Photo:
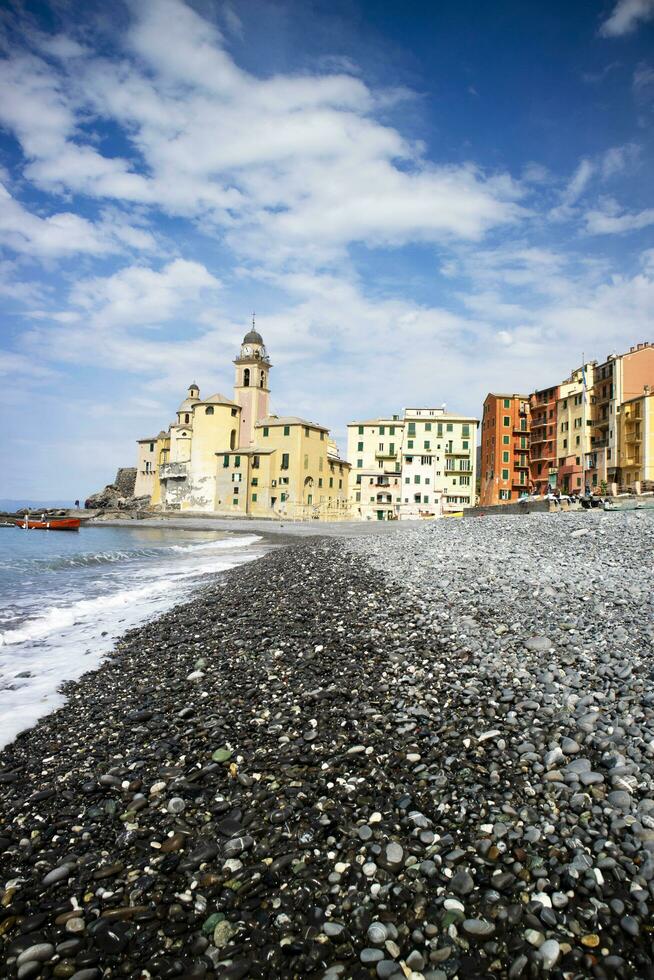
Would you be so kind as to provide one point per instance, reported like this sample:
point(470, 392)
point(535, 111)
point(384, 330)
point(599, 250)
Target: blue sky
point(422, 204)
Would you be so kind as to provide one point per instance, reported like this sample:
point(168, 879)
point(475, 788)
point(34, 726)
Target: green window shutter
point(287, 430)
point(237, 460)
point(360, 430)
point(265, 430)
point(225, 460)
point(254, 497)
point(359, 447)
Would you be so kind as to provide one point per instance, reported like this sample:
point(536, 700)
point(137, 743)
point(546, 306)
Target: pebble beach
point(419, 754)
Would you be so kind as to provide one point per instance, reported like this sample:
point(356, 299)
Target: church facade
point(230, 456)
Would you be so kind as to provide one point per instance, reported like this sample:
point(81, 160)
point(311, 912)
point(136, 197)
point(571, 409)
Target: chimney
point(646, 389)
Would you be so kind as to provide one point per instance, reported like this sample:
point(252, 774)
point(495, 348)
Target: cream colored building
point(233, 456)
point(636, 421)
point(414, 466)
point(374, 447)
point(439, 462)
point(574, 427)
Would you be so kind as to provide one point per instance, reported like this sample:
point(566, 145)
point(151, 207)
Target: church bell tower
point(251, 389)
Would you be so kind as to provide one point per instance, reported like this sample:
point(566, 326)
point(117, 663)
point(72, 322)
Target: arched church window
point(246, 378)
point(209, 410)
point(232, 439)
point(187, 417)
point(262, 378)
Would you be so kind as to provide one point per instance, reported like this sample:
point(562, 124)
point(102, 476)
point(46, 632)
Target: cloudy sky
point(422, 203)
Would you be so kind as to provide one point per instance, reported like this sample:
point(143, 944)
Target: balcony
point(172, 471)
point(387, 454)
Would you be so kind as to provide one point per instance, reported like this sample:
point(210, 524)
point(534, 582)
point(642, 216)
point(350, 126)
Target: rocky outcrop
point(118, 495)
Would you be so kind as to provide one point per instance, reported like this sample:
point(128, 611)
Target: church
point(230, 456)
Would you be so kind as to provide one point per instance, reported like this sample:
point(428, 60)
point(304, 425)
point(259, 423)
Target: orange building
point(504, 448)
point(542, 449)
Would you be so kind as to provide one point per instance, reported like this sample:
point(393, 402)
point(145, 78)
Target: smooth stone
point(478, 928)
point(41, 953)
point(549, 953)
point(462, 883)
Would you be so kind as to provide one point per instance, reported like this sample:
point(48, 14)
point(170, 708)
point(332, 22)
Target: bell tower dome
point(251, 385)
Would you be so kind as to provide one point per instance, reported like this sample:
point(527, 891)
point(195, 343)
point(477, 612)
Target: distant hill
point(6, 503)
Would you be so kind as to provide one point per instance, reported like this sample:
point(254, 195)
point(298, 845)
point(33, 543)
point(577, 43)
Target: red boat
point(50, 524)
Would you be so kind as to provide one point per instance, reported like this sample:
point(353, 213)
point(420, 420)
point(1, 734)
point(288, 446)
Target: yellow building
point(232, 456)
point(146, 467)
point(636, 421)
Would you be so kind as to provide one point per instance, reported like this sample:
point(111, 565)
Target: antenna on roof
point(253, 316)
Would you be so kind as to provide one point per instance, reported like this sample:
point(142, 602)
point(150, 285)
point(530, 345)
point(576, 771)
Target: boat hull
point(55, 524)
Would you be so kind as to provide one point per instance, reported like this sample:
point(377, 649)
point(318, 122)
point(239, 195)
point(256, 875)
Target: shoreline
point(316, 768)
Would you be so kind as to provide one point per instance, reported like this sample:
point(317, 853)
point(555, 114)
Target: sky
point(421, 202)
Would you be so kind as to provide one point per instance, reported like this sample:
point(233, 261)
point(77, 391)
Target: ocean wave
point(57, 619)
point(241, 542)
point(92, 559)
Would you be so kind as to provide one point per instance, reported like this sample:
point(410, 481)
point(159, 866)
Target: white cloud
point(643, 81)
point(140, 295)
point(573, 191)
point(290, 165)
point(58, 235)
point(65, 233)
point(626, 16)
point(619, 159)
point(609, 219)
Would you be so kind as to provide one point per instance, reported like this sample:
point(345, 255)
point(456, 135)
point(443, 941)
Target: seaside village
point(592, 433)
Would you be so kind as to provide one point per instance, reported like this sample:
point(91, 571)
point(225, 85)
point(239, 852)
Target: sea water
point(66, 596)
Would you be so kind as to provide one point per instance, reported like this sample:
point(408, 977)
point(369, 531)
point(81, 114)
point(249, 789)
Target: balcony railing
point(386, 454)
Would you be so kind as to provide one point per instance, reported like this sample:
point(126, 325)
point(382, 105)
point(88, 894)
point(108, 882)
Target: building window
point(310, 499)
point(255, 462)
point(381, 447)
point(382, 430)
point(427, 444)
point(265, 431)
point(319, 481)
point(232, 439)
point(287, 430)
point(226, 460)
point(505, 457)
point(331, 482)
point(359, 464)
point(306, 461)
point(409, 443)
point(505, 474)
point(391, 430)
point(284, 465)
point(505, 494)
point(235, 502)
point(507, 420)
point(507, 403)
point(246, 378)
point(357, 496)
point(283, 497)
point(416, 478)
point(234, 412)
point(505, 440)
point(360, 430)
point(359, 447)
point(340, 484)
point(208, 410)
point(449, 427)
point(306, 431)
point(255, 481)
point(465, 444)
point(237, 460)
point(151, 447)
point(254, 497)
